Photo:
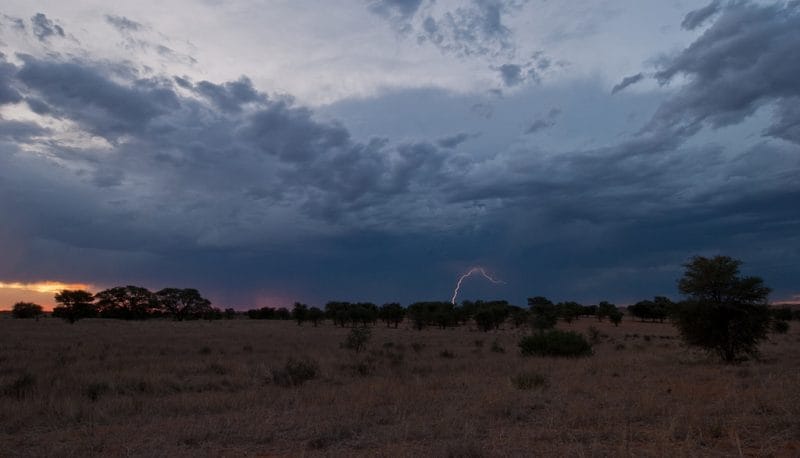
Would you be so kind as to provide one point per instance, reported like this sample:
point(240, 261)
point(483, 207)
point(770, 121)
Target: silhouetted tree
point(184, 304)
point(229, 313)
point(544, 314)
point(315, 315)
point(75, 305)
point(615, 316)
point(491, 314)
point(338, 312)
point(300, 312)
point(724, 313)
point(392, 313)
point(26, 310)
point(127, 302)
point(569, 311)
point(605, 309)
point(282, 313)
point(519, 316)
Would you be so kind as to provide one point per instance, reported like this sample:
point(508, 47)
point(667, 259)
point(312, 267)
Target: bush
point(295, 372)
point(447, 354)
point(357, 339)
point(26, 310)
point(529, 380)
point(496, 347)
point(780, 327)
point(21, 387)
point(555, 343)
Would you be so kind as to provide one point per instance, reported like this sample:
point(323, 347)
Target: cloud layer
point(118, 172)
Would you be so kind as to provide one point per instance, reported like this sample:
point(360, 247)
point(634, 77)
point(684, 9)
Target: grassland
point(163, 388)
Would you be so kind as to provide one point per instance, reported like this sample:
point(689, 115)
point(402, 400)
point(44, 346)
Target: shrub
point(21, 387)
point(496, 347)
point(26, 310)
point(447, 354)
point(529, 380)
point(780, 327)
point(555, 343)
point(357, 339)
point(295, 372)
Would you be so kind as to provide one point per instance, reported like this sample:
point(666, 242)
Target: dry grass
point(207, 388)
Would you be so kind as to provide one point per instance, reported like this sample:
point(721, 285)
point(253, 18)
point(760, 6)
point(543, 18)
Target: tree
point(605, 309)
point(184, 304)
point(723, 312)
point(490, 315)
point(315, 315)
point(127, 302)
point(75, 305)
point(615, 316)
point(544, 314)
point(26, 310)
point(300, 312)
point(392, 313)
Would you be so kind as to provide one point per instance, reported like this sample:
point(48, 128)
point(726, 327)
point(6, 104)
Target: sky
point(267, 152)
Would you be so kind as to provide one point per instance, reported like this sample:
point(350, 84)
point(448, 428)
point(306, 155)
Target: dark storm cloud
point(545, 122)
point(511, 74)
point(229, 96)
point(206, 159)
point(696, 18)
point(102, 106)
point(7, 74)
point(747, 58)
point(627, 81)
point(454, 140)
point(44, 28)
point(20, 131)
point(123, 24)
point(218, 186)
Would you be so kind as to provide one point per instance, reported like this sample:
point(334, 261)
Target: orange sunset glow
point(39, 292)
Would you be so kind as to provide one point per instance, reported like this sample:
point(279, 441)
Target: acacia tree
point(392, 313)
point(75, 305)
point(26, 310)
point(127, 302)
point(300, 312)
point(724, 313)
point(184, 303)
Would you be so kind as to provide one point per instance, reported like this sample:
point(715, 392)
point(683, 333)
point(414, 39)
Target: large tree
point(75, 304)
point(184, 303)
point(127, 302)
point(723, 313)
point(26, 310)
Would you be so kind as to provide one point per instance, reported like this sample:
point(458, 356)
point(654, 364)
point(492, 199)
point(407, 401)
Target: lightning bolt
point(467, 274)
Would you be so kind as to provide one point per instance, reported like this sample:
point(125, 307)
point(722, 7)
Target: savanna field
point(273, 388)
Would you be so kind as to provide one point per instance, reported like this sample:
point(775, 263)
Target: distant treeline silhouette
point(128, 303)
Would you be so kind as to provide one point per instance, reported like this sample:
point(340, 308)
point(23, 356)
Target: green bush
point(555, 343)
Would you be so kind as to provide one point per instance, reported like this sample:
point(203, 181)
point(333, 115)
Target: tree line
point(722, 311)
point(127, 303)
